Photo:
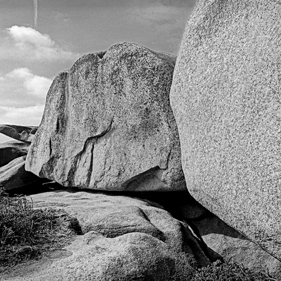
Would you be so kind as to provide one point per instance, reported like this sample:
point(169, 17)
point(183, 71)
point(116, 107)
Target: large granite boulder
point(11, 150)
point(108, 124)
point(226, 97)
point(124, 238)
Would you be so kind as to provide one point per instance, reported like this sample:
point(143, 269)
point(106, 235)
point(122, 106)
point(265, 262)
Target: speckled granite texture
point(226, 97)
point(108, 124)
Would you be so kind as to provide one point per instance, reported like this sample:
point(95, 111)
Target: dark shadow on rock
point(180, 204)
point(213, 224)
point(42, 185)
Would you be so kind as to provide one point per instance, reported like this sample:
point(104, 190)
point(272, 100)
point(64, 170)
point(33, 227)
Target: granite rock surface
point(14, 176)
point(232, 246)
point(11, 150)
point(108, 124)
point(124, 238)
point(226, 97)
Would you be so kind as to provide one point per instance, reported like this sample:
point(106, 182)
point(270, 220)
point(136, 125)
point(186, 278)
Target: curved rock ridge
point(226, 97)
point(108, 124)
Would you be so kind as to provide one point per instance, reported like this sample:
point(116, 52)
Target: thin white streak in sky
point(35, 4)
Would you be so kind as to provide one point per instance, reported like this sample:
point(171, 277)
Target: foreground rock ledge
point(108, 124)
point(226, 99)
point(124, 239)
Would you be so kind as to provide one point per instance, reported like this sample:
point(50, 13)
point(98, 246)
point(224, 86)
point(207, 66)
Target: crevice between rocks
point(201, 252)
point(101, 54)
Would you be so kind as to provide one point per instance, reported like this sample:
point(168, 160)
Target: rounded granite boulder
point(108, 124)
point(226, 97)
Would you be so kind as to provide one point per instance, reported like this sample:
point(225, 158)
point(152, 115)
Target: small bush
point(229, 272)
point(25, 232)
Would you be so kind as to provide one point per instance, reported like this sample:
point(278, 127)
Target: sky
point(41, 38)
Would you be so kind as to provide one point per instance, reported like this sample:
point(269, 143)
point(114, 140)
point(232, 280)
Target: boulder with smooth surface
point(108, 124)
point(226, 100)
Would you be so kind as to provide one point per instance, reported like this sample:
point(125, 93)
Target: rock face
point(11, 150)
point(14, 176)
point(108, 124)
point(21, 133)
point(123, 239)
point(226, 100)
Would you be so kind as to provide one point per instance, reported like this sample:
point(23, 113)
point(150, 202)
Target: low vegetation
point(230, 271)
point(26, 232)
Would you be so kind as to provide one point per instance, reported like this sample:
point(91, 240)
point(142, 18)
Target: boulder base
point(11, 150)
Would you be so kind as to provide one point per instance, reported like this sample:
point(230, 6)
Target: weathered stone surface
point(14, 176)
point(233, 246)
point(21, 133)
point(226, 100)
point(124, 239)
point(108, 124)
point(11, 150)
point(133, 256)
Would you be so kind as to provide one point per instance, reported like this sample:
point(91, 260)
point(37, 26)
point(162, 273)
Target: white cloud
point(22, 97)
point(27, 44)
point(25, 116)
point(32, 84)
point(21, 116)
point(20, 88)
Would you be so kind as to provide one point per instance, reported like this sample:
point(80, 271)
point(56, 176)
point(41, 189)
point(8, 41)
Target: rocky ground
point(156, 196)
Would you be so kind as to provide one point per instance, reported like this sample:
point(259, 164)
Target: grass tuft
point(230, 271)
point(26, 233)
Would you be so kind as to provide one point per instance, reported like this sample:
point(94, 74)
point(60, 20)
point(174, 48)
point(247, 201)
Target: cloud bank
point(21, 116)
point(33, 84)
point(22, 92)
point(27, 44)
point(21, 87)
point(22, 96)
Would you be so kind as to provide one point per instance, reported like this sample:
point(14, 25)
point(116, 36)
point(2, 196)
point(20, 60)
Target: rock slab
point(11, 150)
point(226, 97)
point(108, 124)
point(14, 176)
point(123, 238)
